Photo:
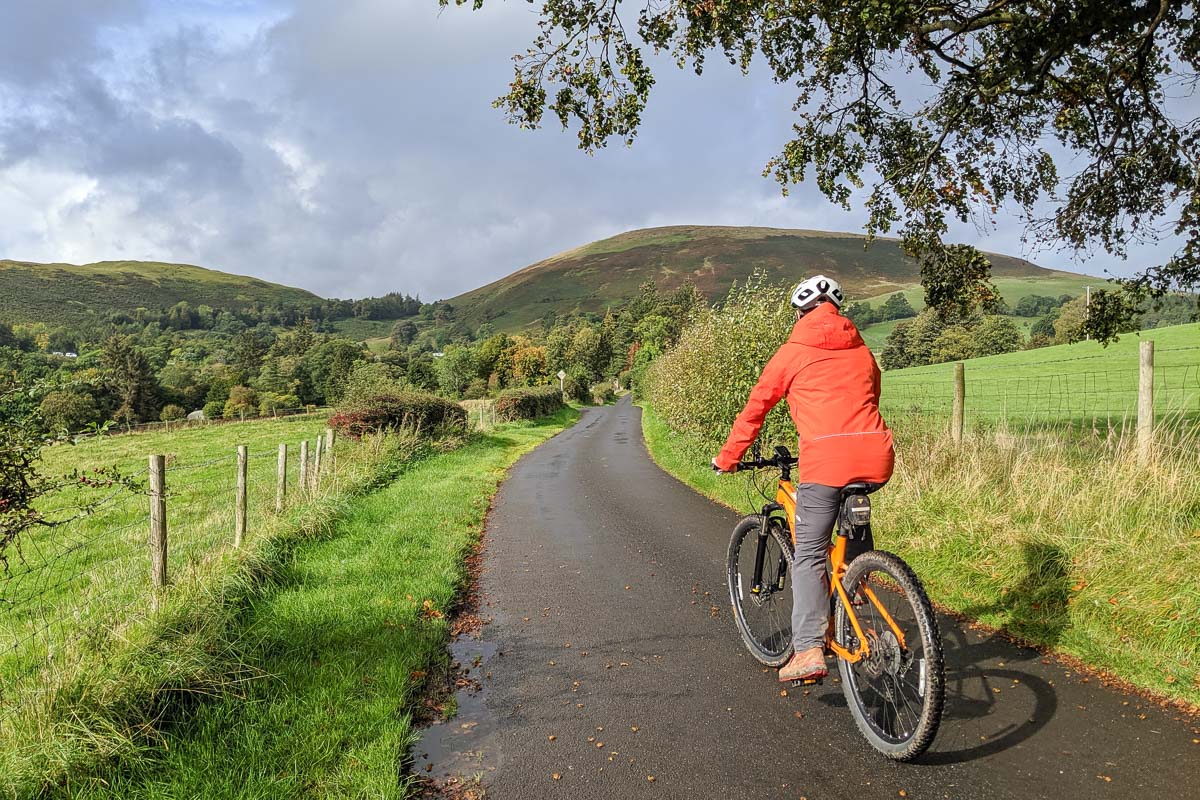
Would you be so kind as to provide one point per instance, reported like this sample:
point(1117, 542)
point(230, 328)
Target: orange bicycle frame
point(785, 496)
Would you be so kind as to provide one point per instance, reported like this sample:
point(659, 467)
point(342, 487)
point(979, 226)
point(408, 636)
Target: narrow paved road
point(604, 577)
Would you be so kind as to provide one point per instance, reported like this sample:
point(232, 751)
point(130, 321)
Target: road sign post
point(561, 377)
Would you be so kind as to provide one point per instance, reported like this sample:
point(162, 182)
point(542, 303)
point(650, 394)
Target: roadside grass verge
point(340, 651)
point(90, 670)
point(1067, 544)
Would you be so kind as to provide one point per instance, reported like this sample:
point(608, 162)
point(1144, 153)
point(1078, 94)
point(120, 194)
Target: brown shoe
point(806, 665)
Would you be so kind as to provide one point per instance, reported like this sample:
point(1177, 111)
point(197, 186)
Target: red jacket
point(831, 383)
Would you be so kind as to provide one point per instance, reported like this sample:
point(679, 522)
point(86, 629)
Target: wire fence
point(1024, 397)
point(167, 426)
point(71, 591)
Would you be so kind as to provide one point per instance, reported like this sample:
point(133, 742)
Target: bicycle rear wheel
point(763, 617)
point(897, 692)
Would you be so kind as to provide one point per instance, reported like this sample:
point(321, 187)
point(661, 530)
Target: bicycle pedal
point(808, 682)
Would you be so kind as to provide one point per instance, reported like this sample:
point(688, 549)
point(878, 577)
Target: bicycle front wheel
point(760, 588)
point(896, 693)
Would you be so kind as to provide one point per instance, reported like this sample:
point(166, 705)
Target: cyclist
point(831, 382)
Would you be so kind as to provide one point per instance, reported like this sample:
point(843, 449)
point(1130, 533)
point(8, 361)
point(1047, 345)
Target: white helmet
point(817, 289)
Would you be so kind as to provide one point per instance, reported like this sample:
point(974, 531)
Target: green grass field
point(340, 652)
point(362, 330)
point(1069, 544)
point(84, 654)
point(1011, 289)
point(1079, 383)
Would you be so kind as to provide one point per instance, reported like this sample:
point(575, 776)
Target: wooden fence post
point(315, 477)
point(960, 400)
point(303, 483)
point(281, 478)
point(239, 512)
point(158, 524)
point(1145, 421)
point(330, 441)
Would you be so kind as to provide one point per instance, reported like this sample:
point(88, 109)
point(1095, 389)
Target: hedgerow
point(515, 404)
point(391, 410)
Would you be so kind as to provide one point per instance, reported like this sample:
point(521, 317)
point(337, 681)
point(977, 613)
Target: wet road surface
point(612, 662)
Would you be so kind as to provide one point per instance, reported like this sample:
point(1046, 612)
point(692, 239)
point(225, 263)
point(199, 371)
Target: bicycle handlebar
point(768, 463)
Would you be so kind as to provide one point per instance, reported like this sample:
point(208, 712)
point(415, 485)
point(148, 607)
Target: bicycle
point(887, 644)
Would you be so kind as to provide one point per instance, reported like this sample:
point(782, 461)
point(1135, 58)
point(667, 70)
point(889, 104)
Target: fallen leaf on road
point(599, 744)
point(1105, 778)
point(650, 778)
point(551, 738)
point(783, 692)
point(634, 728)
point(556, 777)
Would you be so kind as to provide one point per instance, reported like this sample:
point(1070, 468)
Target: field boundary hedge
point(519, 404)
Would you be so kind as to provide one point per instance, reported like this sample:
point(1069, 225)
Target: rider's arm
point(772, 386)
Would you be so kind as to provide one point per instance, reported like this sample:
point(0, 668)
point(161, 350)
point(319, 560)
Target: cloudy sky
point(350, 147)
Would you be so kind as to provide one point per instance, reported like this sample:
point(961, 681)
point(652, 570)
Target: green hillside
point(69, 293)
point(1078, 382)
point(596, 275)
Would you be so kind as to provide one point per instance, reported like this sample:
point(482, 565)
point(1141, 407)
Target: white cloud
point(350, 147)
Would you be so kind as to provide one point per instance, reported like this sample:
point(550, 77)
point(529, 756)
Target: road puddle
point(464, 747)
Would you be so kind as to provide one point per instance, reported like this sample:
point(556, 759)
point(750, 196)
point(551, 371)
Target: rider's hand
point(720, 471)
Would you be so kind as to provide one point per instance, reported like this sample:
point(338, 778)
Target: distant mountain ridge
point(602, 273)
point(75, 293)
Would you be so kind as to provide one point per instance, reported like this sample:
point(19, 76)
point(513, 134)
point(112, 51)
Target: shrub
point(67, 410)
point(623, 378)
point(171, 412)
point(603, 393)
point(213, 409)
point(477, 389)
point(426, 412)
point(242, 402)
point(515, 404)
point(699, 387)
point(575, 385)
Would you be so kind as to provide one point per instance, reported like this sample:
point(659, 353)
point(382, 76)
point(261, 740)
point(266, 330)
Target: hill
point(602, 273)
point(72, 294)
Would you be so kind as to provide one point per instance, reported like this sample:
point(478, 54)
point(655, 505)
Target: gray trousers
point(816, 514)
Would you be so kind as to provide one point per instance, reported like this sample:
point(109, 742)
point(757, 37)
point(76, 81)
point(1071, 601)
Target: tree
point(67, 410)
point(952, 344)
point(1069, 325)
point(242, 403)
point(896, 307)
point(861, 314)
point(403, 333)
point(456, 369)
point(995, 334)
point(1004, 78)
point(171, 412)
point(129, 377)
point(329, 364)
point(529, 366)
point(895, 353)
